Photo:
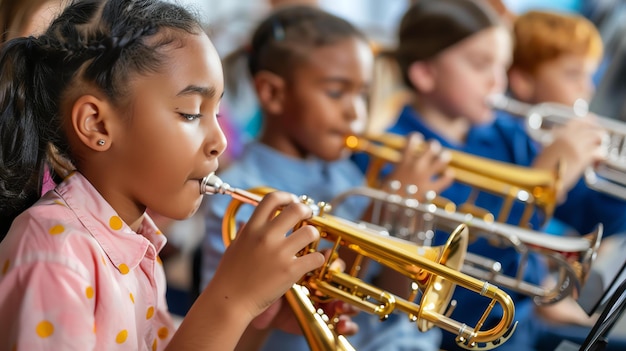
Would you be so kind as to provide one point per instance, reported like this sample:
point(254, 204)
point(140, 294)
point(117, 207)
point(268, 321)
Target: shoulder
point(509, 124)
point(49, 232)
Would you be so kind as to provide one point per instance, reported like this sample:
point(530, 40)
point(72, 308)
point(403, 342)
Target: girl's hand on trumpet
point(423, 166)
point(280, 315)
point(263, 258)
point(577, 144)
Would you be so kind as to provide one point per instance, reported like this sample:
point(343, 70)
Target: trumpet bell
point(571, 257)
point(429, 267)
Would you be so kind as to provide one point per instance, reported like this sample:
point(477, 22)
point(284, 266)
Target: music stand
point(615, 306)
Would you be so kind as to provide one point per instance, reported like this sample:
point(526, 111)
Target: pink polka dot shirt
point(74, 276)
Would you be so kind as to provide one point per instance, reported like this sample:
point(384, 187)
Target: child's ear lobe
point(422, 76)
point(270, 90)
point(521, 85)
point(91, 122)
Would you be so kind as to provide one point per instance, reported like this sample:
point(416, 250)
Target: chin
point(485, 117)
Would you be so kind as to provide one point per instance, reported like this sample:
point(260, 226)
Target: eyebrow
point(207, 92)
point(341, 80)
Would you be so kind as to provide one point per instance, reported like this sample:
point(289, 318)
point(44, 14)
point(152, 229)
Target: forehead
point(351, 57)
point(494, 41)
point(191, 59)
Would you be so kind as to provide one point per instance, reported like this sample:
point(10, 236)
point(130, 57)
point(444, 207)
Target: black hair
point(93, 42)
point(289, 33)
point(430, 26)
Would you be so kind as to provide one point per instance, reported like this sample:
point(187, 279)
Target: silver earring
point(101, 142)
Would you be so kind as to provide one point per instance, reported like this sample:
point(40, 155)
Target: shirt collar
point(410, 119)
point(124, 247)
point(291, 167)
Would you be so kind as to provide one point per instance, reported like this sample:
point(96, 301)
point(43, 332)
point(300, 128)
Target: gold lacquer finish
point(535, 188)
point(571, 257)
point(434, 269)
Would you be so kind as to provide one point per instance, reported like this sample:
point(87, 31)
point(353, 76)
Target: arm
point(44, 306)
point(255, 271)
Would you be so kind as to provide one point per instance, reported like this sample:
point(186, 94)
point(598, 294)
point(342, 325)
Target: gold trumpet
point(608, 176)
point(537, 189)
point(417, 221)
point(433, 269)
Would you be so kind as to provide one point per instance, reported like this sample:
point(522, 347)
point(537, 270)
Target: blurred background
point(230, 23)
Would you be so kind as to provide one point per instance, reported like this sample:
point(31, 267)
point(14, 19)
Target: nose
point(215, 140)
point(498, 81)
point(355, 108)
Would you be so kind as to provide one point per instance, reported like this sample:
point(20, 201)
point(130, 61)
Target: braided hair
point(93, 42)
point(289, 34)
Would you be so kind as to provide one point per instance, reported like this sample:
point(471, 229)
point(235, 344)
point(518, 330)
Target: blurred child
point(454, 55)
point(129, 92)
point(559, 68)
point(311, 72)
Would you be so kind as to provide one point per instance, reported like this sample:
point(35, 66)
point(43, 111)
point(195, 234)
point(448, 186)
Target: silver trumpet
point(408, 219)
point(608, 176)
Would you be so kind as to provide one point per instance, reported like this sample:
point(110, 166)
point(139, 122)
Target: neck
point(452, 128)
point(278, 139)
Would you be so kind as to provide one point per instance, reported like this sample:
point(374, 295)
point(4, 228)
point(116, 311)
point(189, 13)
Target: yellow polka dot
point(59, 202)
point(123, 268)
point(159, 260)
point(89, 292)
point(57, 229)
point(94, 328)
point(132, 298)
point(162, 333)
point(150, 312)
point(6, 266)
point(121, 336)
point(159, 232)
point(104, 262)
point(154, 345)
point(44, 329)
point(115, 223)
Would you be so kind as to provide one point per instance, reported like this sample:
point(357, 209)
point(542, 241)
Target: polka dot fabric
point(74, 276)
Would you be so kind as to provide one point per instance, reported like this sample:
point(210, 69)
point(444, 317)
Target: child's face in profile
point(326, 98)
point(171, 138)
point(564, 80)
point(467, 73)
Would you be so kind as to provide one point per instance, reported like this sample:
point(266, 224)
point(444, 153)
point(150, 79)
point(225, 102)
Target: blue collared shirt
point(506, 140)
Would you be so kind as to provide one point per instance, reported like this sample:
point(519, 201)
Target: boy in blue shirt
point(311, 71)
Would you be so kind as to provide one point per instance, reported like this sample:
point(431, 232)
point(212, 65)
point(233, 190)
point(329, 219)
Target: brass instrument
point(608, 176)
point(433, 269)
point(409, 219)
point(534, 188)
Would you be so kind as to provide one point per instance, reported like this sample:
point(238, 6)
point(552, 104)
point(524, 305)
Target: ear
point(422, 76)
point(91, 121)
point(521, 84)
point(270, 90)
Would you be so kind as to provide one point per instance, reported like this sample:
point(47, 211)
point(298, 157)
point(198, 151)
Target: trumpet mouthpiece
point(212, 184)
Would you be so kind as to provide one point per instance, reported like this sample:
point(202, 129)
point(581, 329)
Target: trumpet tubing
point(434, 269)
point(608, 176)
point(573, 256)
point(535, 188)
